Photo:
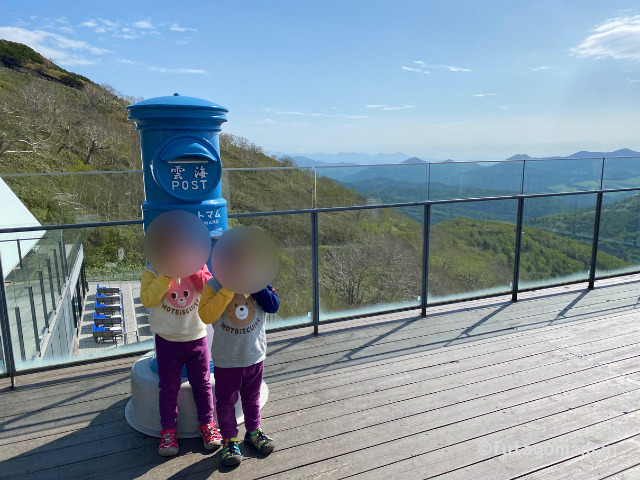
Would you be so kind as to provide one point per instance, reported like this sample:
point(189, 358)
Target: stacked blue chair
point(108, 317)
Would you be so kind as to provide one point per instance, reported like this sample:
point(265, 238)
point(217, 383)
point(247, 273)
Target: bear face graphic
point(241, 311)
point(180, 296)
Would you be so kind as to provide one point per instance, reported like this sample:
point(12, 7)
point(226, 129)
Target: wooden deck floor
point(545, 388)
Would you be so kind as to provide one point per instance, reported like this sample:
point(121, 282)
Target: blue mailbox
point(181, 157)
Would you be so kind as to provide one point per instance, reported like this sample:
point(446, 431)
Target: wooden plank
point(320, 451)
point(504, 314)
point(109, 387)
point(335, 360)
point(78, 386)
point(438, 447)
point(514, 340)
point(335, 339)
point(550, 299)
point(328, 417)
point(371, 372)
point(298, 436)
point(619, 460)
point(70, 374)
point(100, 411)
point(588, 434)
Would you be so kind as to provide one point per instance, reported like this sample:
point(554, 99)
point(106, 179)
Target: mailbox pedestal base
point(142, 411)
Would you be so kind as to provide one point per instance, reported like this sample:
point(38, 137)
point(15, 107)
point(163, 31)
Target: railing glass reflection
point(370, 244)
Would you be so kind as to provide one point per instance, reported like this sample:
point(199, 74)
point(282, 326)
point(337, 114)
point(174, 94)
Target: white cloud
point(146, 24)
point(452, 69)
point(134, 30)
point(129, 62)
point(266, 121)
point(109, 23)
point(388, 108)
point(320, 114)
point(423, 66)
point(542, 67)
point(178, 70)
point(486, 95)
point(55, 47)
point(506, 108)
point(632, 80)
point(617, 38)
point(177, 28)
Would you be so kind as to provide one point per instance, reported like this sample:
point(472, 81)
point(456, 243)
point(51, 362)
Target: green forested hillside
point(619, 227)
point(50, 124)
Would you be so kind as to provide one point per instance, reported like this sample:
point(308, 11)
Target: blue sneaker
point(231, 452)
point(260, 441)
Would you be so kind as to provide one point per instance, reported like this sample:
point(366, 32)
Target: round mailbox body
point(181, 157)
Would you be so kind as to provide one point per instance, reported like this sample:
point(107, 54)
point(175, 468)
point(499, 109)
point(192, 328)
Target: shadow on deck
point(548, 387)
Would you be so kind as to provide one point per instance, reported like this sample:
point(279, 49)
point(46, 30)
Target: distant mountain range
point(623, 152)
point(351, 159)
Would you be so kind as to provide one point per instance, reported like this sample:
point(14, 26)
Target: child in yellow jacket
point(238, 350)
point(181, 340)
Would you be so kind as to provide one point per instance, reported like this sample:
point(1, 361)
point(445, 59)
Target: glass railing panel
point(370, 260)
point(347, 186)
point(450, 180)
point(3, 361)
point(293, 283)
point(557, 240)
point(268, 189)
point(45, 323)
point(562, 175)
point(619, 236)
point(622, 172)
point(471, 249)
point(79, 198)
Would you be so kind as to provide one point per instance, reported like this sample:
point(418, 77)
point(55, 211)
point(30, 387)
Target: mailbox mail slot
point(187, 168)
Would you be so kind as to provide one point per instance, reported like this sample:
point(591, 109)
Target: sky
point(459, 79)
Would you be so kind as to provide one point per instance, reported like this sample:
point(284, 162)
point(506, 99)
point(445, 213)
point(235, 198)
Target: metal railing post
point(34, 320)
point(63, 257)
point(79, 301)
point(315, 272)
point(23, 354)
point(426, 229)
point(5, 328)
point(594, 247)
point(53, 296)
point(516, 260)
point(83, 279)
point(44, 300)
point(19, 253)
point(55, 262)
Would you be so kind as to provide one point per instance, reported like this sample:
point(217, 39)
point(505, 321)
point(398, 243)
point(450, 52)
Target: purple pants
point(230, 382)
point(171, 357)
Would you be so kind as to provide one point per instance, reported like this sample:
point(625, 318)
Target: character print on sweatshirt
point(241, 311)
point(180, 295)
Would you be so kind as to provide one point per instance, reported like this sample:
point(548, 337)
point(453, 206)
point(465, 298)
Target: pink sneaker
point(211, 437)
point(168, 443)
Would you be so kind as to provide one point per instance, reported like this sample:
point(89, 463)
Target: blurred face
point(177, 244)
point(245, 260)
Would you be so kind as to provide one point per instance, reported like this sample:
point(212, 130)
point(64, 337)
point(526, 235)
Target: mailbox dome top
point(178, 101)
point(179, 112)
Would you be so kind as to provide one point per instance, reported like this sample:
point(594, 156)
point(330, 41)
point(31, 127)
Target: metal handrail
point(314, 212)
